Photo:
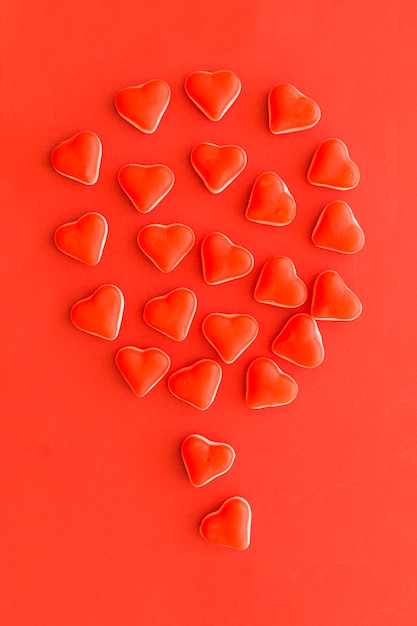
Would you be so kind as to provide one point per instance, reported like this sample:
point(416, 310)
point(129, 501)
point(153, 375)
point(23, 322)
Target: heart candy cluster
point(222, 260)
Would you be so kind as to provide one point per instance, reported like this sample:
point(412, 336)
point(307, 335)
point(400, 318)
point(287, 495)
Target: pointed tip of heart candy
point(213, 92)
point(79, 157)
point(331, 166)
point(101, 313)
point(197, 384)
point(337, 229)
point(289, 110)
point(332, 299)
point(230, 525)
point(83, 239)
point(142, 369)
point(205, 460)
point(144, 105)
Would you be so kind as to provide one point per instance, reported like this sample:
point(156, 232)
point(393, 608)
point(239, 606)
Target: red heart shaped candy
point(223, 260)
point(144, 105)
point(290, 110)
point(279, 285)
point(300, 342)
point(213, 92)
point(205, 460)
point(142, 369)
point(172, 313)
point(79, 157)
point(230, 525)
point(230, 334)
point(197, 384)
point(270, 201)
point(101, 313)
point(268, 386)
point(337, 229)
point(218, 166)
point(83, 239)
point(332, 167)
point(146, 185)
point(333, 300)
point(166, 245)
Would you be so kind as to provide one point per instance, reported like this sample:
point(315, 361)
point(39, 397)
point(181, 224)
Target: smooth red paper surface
point(98, 522)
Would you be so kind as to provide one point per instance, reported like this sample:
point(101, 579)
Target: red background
point(98, 523)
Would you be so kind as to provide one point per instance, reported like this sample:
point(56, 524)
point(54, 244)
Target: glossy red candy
point(101, 313)
point(300, 342)
point(270, 201)
point(278, 284)
point(213, 92)
point(268, 386)
point(142, 368)
point(166, 245)
point(83, 239)
point(230, 525)
point(218, 166)
point(337, 229)
point(332, 166)
point(205, 460)
point(172, 313)
point(333, 300)
point(223, 260)
point(290, 110)
point(79, 157)
point(197, 384)
point(144, 105)
point(230, 334)
point(146, 185)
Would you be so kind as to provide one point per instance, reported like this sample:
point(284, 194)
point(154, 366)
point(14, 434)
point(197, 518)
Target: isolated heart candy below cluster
point(205, 460)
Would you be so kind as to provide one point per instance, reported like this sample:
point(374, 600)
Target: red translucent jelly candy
point(197, 384)
point(300, 342)
point(337, 229)
point(83, 239)
point(230, 334)
point(79, 157)
point(290, 110)
point(205, 460)
point(144, 105)
point(213, 92)
point(333, 300)
point(279, 285)
point(332, 167)
point(101, 313)
point(172, 313)
point(166, 245)
point(218, 166)
point(230, 525)
point(268, 386)
point(223, 260)
point(146, 185)
point(270, 201)
point(142, 369)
